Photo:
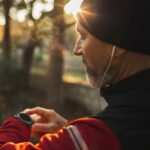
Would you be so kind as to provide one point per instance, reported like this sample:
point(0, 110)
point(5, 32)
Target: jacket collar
point(129, 90)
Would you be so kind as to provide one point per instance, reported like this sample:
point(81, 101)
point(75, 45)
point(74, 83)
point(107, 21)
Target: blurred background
point(37, 66)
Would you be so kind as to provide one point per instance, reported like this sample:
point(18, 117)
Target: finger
point(26, 110)
point(35, 118)
point(43, 127)
point(40, 120)
point(34, 110)
point(40, 111)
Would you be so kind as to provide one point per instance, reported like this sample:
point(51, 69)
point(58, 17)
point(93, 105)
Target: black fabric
point(125, 23)
point(128, 113)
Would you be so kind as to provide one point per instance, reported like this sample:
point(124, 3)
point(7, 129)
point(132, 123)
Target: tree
point(55, 71)
point(28, 50)
point(55, 86)
point(33, 41)
point(6, 39)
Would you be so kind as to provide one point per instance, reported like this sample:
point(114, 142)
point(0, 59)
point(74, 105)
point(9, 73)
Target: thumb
point(44, 127)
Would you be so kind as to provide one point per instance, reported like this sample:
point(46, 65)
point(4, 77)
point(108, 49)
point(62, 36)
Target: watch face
point(24, 118)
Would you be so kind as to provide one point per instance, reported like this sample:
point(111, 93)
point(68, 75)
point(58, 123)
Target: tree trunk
point(27, 62)
point(55, 83)
point(29, 52)
point(6, 38)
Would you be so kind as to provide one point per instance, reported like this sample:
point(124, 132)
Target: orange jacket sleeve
point(85, 133)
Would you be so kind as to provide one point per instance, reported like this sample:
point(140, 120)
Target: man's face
point(96, 56)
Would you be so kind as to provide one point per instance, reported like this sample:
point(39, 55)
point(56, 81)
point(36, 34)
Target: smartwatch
point(24, 118)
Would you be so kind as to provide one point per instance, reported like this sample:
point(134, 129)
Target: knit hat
point(124, 23)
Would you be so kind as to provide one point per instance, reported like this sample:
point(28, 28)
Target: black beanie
point(124, 23)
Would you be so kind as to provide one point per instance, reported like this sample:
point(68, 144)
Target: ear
point(119, 52)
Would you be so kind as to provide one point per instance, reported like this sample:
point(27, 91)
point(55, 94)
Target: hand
point(45, 120)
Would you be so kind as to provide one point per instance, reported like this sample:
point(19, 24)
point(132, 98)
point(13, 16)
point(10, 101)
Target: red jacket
point(81, 134)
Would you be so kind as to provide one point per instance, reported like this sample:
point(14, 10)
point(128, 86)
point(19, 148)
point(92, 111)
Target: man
point(114, 45)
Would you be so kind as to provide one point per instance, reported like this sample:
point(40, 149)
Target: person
point(115, 47)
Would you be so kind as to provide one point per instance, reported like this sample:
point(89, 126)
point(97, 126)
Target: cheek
point(95, 56)
point(91, 56)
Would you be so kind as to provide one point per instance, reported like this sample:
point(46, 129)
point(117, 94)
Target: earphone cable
point(103, 77)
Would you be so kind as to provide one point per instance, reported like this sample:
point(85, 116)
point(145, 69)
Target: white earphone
point(108, 66)
point(113, 51)
point(104, 75)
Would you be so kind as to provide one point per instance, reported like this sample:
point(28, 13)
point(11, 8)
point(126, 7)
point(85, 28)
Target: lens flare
point(73, 7)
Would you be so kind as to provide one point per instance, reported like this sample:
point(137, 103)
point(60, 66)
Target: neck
point(130, 64)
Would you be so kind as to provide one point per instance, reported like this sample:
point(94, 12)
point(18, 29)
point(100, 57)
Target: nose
point(77, 50)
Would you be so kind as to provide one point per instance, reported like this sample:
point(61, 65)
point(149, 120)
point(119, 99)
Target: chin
point(92, 77)
point(95, 77)
point(93, 80)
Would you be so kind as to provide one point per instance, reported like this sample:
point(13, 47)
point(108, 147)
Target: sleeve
point(93, 134)
point(14, 130)
point(81, 134)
